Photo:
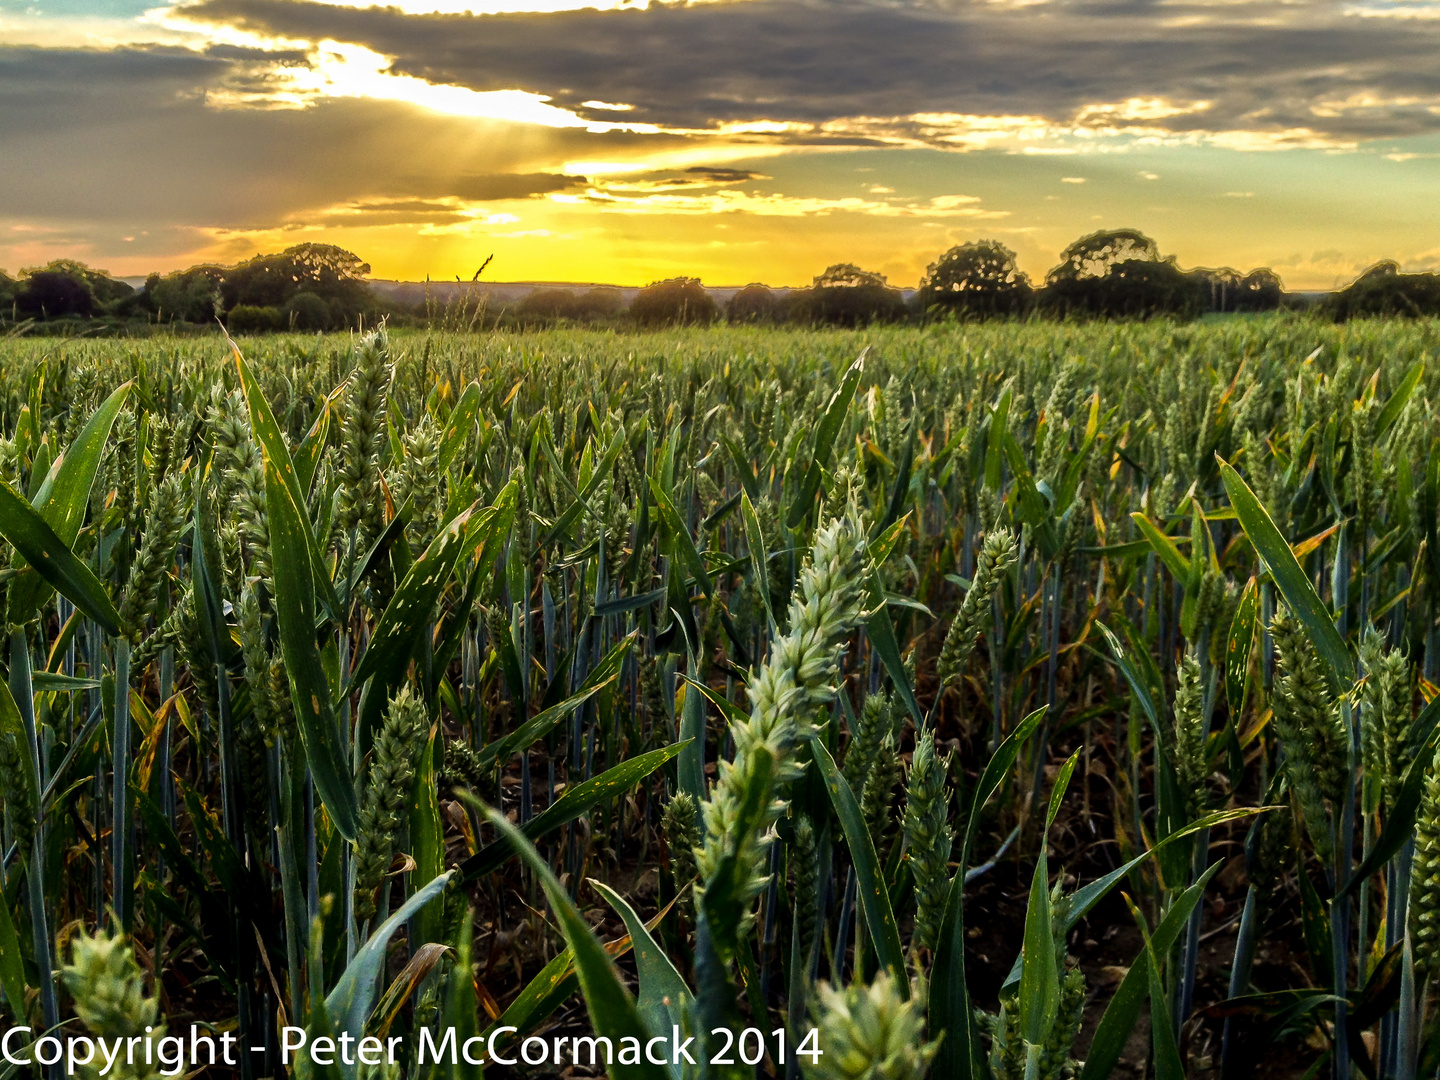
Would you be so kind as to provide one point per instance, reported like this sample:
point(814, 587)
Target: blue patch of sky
point(69, 9)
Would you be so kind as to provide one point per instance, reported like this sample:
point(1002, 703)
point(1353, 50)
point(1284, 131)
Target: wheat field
point(1019, 701)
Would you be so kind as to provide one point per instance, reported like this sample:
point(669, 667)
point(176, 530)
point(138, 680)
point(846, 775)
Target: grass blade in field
point(835, 413)
point(12, 970)
point(577, 800)
point(51, 558)
point(1120, 1015)
point(310, 691)
point(959, 1055)
point(1293, 582)
point(427, 834)
point(874, 897)
point(1399, 399)
point(1238, 645)
point(63, 497)
point(664, 998)
point(278, 461)
point(1164, 546)
point(404, 619)
point(612, 1009)
point(349, 1003)
point(604, 673)
point(459, 424)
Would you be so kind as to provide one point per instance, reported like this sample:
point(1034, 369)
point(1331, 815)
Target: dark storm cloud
point(706, 174)
point(1264, 67)
point(127, 136)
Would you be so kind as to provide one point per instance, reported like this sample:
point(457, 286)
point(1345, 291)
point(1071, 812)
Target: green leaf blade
point(1293, 582)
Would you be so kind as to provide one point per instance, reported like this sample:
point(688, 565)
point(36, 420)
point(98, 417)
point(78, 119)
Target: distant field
point(767, 652)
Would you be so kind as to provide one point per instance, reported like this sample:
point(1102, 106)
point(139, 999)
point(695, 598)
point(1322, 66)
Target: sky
point(730, 140)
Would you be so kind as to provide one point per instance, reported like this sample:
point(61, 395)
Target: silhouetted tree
point(601, 302)
point(309, 311)
point(679, 300)
point(67, 287)
point(332, 273)
point(845, 295)
point(52, 293)
point(1222, 285)
point(978, 278)
point(1383, 290)
point(249, 319)
point(754, 303)
point(1095, 255)
point(191, 295)
point(1260, 290)
point(1118, 273)
point(547, 304)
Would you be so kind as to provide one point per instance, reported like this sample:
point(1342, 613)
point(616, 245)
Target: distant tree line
point(1113, 274)
point(1384, 291)
point(306, 287)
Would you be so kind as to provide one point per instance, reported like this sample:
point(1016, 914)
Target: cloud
point(133, 136)
point(1259, 75)
point(632, 198)
point(718, 175)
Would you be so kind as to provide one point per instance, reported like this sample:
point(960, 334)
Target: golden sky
point(734, 140)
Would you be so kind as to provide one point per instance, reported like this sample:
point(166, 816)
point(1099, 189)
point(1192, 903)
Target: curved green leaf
point(601, 676)
point(309, 689)
point(1040, 972)
point(958, 1058)
point(684, 542)
point(403, 622)
point(576, 801)
point(690, 773)
point(1168, 1064)
point(1133, 678)
point(825, 437)
point(1293, 582)
point(1237, 649)
point(277, 458)
point(664, 998)
point(759, 557)
point(597, 476)
point(995, 441)
point(881, 631)
point(1083, 900)
point(63, 497)
point(53, 560)
point(307, 454)
point(612, 1009)
point(1398, 400)
point(459, 423)
point(12, 971)
point(1039, 976)
point(349, 1003)
point(427, 835)
point(1164, 546)
point(874, 897)
point(1120, 1014)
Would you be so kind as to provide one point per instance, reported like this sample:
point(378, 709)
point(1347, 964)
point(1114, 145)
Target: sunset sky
point(734, 140)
